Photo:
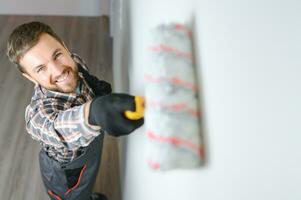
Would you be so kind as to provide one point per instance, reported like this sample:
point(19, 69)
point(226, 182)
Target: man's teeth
point(63, 77)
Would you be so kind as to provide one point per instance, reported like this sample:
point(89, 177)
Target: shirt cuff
point(88, 127)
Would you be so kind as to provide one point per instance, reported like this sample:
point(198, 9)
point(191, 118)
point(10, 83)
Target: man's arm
point(60, 128)
point(78, 126)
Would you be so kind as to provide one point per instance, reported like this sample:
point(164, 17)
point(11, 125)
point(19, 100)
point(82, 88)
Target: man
point(69, 112)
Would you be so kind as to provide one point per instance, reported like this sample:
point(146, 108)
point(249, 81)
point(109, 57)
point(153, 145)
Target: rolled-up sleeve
point(59, 128)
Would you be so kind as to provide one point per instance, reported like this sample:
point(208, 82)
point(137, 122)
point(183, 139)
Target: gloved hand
point(108, 112)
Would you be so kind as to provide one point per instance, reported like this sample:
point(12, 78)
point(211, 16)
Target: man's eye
point(57, 55)
point(40, 69)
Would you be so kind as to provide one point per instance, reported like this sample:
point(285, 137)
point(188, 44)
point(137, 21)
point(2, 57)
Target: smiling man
point(69, 112)
point(49, 64)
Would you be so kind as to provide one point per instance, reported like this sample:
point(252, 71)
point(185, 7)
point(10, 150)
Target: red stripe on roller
point(177, 142)
point(195, 113)
point(176, 80)
point(183, 28)
point(172, 80)
point(174, 107)
point(166, 48)
point(154, 165)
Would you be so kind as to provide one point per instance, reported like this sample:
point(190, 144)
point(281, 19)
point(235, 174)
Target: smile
point(63, 77)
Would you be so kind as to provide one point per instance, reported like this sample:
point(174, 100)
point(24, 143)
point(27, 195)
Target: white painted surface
point(55, 7)
point(249, 66)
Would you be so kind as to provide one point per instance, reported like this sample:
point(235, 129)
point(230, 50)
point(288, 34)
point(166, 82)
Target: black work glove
point(108, 113)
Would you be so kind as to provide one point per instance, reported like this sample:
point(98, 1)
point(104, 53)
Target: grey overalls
point(74, 180)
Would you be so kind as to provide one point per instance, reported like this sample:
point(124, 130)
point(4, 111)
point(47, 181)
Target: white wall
point(249, 67)
point(55, 7)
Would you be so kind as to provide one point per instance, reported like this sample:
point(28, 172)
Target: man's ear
point(30, 78)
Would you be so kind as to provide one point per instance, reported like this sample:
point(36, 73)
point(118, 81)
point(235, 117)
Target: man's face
point(49, 64)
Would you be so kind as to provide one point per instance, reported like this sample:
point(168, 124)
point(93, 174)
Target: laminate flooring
point(19, 171)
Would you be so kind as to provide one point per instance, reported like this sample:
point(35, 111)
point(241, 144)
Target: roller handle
point(139, 109)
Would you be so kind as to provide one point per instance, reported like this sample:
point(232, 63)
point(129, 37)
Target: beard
point(67, 81)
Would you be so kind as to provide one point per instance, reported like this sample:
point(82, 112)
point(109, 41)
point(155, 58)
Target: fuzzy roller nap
point(172, 115)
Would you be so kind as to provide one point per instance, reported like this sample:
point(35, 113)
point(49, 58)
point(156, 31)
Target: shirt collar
point(82, 87)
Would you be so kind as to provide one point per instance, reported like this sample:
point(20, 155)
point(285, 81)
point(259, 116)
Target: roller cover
point(172, 114)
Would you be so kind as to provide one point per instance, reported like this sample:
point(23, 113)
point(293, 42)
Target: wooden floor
point(19, 171)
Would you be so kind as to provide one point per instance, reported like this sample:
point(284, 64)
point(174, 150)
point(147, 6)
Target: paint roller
point(172, 114)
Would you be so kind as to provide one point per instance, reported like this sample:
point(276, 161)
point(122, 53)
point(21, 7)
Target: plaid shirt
point(56, 119)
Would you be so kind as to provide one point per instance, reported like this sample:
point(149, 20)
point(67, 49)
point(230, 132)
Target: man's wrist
point(86, 116)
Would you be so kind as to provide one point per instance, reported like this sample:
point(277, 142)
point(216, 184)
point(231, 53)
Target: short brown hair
point(24, 37)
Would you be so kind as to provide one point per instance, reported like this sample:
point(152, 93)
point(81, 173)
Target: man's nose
point(56, 70)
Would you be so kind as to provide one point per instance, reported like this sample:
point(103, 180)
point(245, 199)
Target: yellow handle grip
point(139, 109)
